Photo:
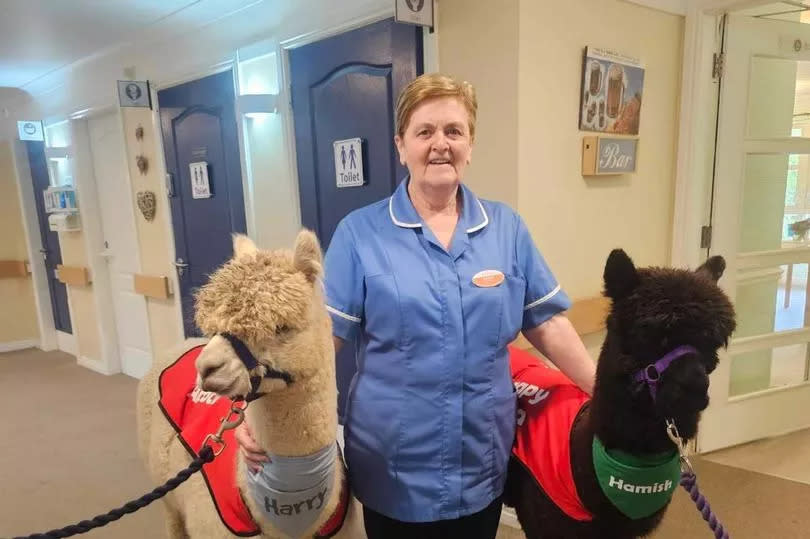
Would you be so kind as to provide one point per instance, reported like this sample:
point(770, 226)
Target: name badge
point(488, 278)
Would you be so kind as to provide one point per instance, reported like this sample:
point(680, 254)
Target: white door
point(120, 242)
point(762, 186)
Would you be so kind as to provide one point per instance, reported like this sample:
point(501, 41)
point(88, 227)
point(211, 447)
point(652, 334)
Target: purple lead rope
point(689, 483)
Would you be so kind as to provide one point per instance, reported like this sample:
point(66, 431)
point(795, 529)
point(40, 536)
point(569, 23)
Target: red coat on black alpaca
point(654, 311)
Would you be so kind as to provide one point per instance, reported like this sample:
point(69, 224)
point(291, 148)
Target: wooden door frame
point(282, 47)
point(87, 192)
point(228, 63)
point(33, 239)
point(695, 155)
point(108, 289)
point(696, 136)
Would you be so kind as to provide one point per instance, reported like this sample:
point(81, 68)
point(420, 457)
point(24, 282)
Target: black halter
point(250, 362)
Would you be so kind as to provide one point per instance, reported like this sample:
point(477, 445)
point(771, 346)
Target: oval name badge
point(488, 278)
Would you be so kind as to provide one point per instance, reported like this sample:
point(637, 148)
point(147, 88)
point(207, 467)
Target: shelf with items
point(61, 199)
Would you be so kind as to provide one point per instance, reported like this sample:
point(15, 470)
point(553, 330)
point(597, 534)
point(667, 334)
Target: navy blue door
point(51, 251)
point(346, 87)
point(199, 126)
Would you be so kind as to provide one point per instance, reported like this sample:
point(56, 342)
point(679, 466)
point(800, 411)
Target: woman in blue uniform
point(433, 283)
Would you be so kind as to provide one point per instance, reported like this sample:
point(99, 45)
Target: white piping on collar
point(482, 224)
point(477, 227)
point(394, 219)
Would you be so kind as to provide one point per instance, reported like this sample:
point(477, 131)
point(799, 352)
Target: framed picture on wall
point(612, 89)
point(134, 93)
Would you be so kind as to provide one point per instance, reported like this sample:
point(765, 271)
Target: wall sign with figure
point(418, 12)
point(349, 162)
point(612, 87)
point(30, 130)
point(134, 93)
point(200, 186)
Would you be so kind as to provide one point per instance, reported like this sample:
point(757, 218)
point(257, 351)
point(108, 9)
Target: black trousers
point(480, 525)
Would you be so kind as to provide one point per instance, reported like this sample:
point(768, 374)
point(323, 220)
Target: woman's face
point(436, 145)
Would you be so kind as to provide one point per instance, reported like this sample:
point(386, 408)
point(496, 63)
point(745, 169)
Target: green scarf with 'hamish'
point(636, 486)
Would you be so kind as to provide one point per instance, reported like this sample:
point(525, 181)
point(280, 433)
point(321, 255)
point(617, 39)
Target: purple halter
point(651, 374)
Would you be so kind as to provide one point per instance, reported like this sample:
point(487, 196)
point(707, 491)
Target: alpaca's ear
point(713, 268)
point(621, 277)
point(308, 258)
point(242, 245)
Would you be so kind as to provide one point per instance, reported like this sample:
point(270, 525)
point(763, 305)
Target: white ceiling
point(40, 36)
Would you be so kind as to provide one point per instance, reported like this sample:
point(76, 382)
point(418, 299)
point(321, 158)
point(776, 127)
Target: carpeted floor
point(67, 441)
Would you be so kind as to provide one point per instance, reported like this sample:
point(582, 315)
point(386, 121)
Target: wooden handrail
point(13, 269)
point(152, 286)
point(73, 275)
point(586, 315)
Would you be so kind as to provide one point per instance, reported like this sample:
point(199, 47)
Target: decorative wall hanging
point(612, 86)
point(134, 93)
point(147, 203)
point(143, 164)
point(139, 133)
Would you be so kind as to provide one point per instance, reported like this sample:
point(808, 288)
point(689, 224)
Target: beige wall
point(577, 221)
point(18, 319)
point(479, 43)
point(154, 241)
point(525, 60)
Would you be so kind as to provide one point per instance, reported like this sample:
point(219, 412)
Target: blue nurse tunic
point(430, 413)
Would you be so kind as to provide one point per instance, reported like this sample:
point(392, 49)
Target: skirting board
point(94, 365)
point(66, 342)
point(18, 345)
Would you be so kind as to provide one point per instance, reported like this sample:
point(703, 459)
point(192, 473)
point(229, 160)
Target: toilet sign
point(198, 173)
point(349, 162)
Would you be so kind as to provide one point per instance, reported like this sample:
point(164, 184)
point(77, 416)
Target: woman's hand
point(251, 452)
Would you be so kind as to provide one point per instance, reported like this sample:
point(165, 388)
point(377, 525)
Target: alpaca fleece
point(623, 465)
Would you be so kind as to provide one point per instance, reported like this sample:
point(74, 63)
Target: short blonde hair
point(431, 86)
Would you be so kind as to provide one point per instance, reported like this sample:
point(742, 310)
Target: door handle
point(181, 266)
point(169, 185)
point(44, 253)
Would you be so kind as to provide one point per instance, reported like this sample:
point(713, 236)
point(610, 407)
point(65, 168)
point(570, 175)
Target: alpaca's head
point(656, 310)
point(272, 301)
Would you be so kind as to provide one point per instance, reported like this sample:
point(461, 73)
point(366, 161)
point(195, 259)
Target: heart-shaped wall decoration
point(147, 203)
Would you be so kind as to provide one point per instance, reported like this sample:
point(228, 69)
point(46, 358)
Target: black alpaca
point(654, 311)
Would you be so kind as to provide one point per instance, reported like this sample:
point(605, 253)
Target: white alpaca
point(272, 301)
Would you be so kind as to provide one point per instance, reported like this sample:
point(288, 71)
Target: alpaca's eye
point(281, 330)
